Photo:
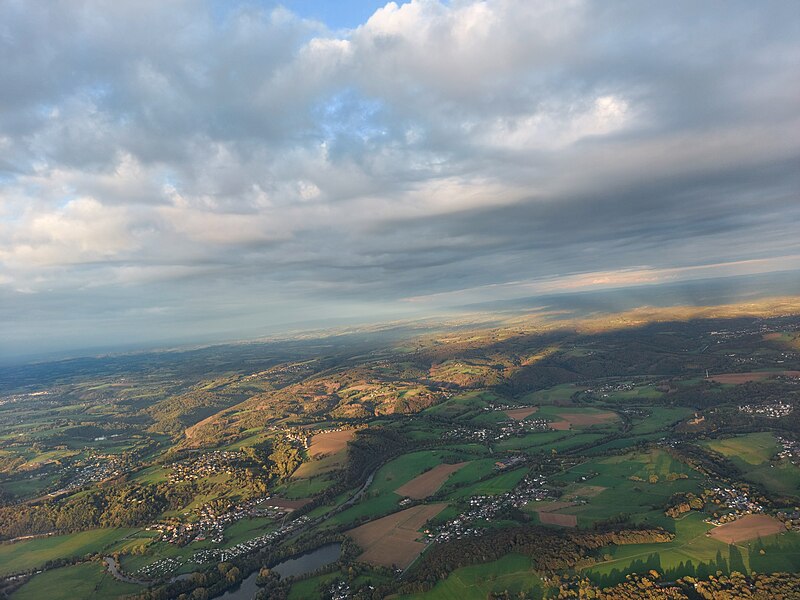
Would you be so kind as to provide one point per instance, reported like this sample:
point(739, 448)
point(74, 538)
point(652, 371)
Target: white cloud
point(439, 146)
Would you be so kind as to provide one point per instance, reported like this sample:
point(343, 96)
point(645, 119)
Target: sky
point(199, 170)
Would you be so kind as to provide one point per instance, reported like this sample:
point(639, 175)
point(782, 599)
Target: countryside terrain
point(653, 453)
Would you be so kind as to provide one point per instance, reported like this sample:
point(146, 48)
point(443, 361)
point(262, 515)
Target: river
point(307, 562)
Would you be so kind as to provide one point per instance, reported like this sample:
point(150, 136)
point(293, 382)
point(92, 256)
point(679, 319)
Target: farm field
point(739, 378)
point(391, 540)
point(30, 554)
point(381, 497)
point(426, 484)
point(694, 553)
point(751, 448)
point(79, 582)
point(747, 528)
point(564, 418)
point(559, 395)
point(512, 573)
point(620, 494)
point(330, 442)
point(521, 413)
point(753, 453)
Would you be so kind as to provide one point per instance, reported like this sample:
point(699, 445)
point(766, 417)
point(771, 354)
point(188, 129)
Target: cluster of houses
point(604, 391)
point(511, 461)
point(248, 546)
point(339, 590)
point(96, 468)
point(775, 410)
point(288, 369)
point(734, 499)
point(159, 568)
point(790, 450)
point(17, 397)
point(504, 431)
point(790, 518)
point(211, 523)
point(485, 508)
point(205, 465)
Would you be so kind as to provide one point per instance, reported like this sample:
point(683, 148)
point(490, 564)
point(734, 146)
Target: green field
point(781, 478)
point(659, 419)
point(640, 392)
point(151, 475)
point(623, 495)
point(752, 448)
point(30, 554)
point(463, 405)
point(499, 484)
point(693, 553)
point(556, 394)
point(752, 453)
point(512, 573)
point(77, 582)
point(381, 498)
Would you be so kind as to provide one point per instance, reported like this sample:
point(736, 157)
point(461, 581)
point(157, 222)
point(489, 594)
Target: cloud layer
point(169, 169)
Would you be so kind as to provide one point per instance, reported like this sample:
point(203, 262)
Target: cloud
point(164, 151)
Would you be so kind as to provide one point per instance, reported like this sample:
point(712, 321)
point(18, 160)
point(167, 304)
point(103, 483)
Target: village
point(205, 465)
point(775, 410)
point(485, 508)
point(502, 431)
point(790, 449)
point(248, 546)
point(211, 523)
point(96, 468)
point(738, 501)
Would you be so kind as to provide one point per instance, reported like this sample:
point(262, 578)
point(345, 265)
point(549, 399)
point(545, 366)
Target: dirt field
point(549, 518)
point(391, 540)
point(560, 425)
point(521, 413)
point(588, 491)
point(736, 378)
point(330, 442)
point(542, 507)
point(588, 419)
point(426, 484)
point(747, 528)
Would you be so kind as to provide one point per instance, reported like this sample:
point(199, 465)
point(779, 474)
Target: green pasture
point(659, 419)
point(31, 554)
point(623, 495)
point(462, 404)
point(643, 392)
point(557, 394)
point(513, 573)
point(499, 484)
point(380, 497)
point(78, 582)
point(751, 448)
point(782, 478)
point(695, 554)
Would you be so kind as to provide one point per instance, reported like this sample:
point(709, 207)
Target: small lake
point(291, 567)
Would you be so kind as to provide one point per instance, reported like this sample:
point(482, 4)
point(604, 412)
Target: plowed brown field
point(549, 518)
point(392, 541)
point(426, 484)
point(747, 528)
point(330, 442)
point(736, 378)
point(521, 413)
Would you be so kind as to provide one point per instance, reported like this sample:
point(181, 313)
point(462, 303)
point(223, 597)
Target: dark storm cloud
point(165, 168)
